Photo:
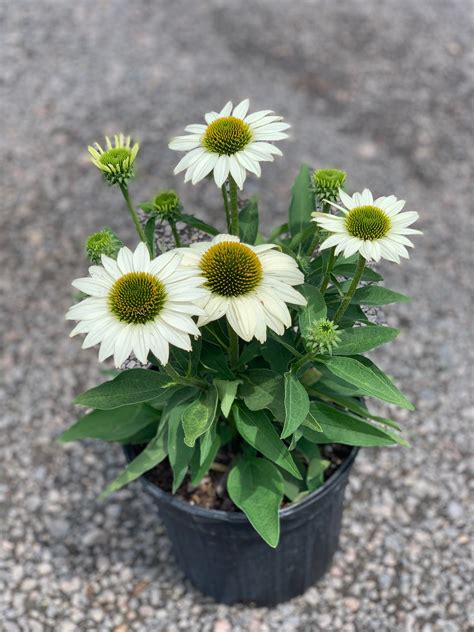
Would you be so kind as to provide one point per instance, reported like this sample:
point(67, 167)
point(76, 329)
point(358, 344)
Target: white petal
point(395, 208)
point(352, 246)
point(366, 197)
point(188, 160)
point(241, 317)
point(140, 343)
point(204, 166)
point(179, 321)
point(331, 241)
point(185, 143)
point(141, 258)
point(365, 250)
point(266, 150)
point(111, 266)
point(256, 116)
point(164, 265)
point(263, 135)
point(221, 170)
point(125, 260)
point(123, 345)
point(265, 121)
point(227, 109)
point(248, 163)
point(173, 336)
point(404, 219)
point(106, 348)
point(241, 110)
point(94, 287)
point(224, 237)
point(346, 200)
point(237, 171)
point(195, 129)
point(210, 117)
point(273, 127)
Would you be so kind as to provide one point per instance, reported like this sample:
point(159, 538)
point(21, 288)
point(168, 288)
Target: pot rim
point(239, 516)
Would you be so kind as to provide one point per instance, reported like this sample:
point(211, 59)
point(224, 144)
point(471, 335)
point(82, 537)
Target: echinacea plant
point(250, 346)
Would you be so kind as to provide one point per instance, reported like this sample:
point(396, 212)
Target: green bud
point(165, 206)
point(323, 336)
point(104, 242)
point(116, 161)
point(327, 182)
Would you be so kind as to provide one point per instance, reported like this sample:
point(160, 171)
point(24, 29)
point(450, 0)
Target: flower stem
point(350, 293)
point(329, 267)
point(234, 207)
point(177, 240)
point(226, 205)
point(133, 213)
point(181, 379)
point(302, 361)
point(314, 243)
point(233, 346)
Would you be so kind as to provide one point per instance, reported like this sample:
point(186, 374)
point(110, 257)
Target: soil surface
point(211, 491)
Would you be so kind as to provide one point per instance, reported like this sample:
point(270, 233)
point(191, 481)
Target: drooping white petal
point(123, 345)
point(195, 129)
point(185, 143)
point(94, 287)
point(237, 171)
point(221, 170)
point(248, 163)
point(188, 160)
point(206, 165)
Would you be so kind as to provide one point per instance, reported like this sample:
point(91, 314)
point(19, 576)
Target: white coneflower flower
point(116, 161)
point(374, 228)
point(232, 142)
point(250, 285)
point(138, 305)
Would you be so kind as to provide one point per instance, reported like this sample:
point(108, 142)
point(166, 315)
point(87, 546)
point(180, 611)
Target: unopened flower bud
point(327, 182)
point(104, 242)
point(116, 161)
point(323, 336)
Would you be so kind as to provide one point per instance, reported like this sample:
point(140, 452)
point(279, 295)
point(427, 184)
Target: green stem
point(133, 213)
point(329, 267)
point(226, 205)
point(303, 360)
point(180, 379)
point(234, 207)
point(177, 240)
point(314, 242)
point(233, 346)
point(352, 288)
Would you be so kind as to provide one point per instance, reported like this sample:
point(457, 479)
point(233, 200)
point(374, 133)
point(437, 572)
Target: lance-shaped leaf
point(154, 453)
point(199, 416)
point(264, 389)
point(361, 339)
point(302, 202)
point(368, 378)
point(111, 425)
point(314, 310)
point(248, 221)
point(376, 295)
point(296, 404)
point(259, 432)
point(129, 387)
point(256, 487)
point(227, 390)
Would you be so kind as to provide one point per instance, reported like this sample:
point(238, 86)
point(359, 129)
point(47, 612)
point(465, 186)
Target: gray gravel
point(380, 89)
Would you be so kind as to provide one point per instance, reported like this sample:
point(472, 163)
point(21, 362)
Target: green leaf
point(312, 422)
point(259, 432)
point(154, 453)
point(368, 378)
point(315, 309)
point(150, 235)
point(179, 453)
point(111, 425)
point(187, 361)
point(276, 353)
point(227, 390)
point(199, 416)
point(361, 339)
point(203, 458)
point(357, 407)
point(248, 221)
point(264, 389)
point(302, 202)
point(296, 404)
point(341, 427)
point(198, 223)
point(315, 474)
point(376, 295)
point(129, 387)
point(348, 270)
point(215, 360)
point(276, 232)
point(256, 487)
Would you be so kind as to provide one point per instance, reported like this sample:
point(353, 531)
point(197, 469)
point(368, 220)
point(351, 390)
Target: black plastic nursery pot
point(224, 557)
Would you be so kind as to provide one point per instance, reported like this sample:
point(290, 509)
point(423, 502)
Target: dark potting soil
point(211, 491)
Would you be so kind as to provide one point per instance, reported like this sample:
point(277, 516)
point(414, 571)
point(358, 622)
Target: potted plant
point(246, 404)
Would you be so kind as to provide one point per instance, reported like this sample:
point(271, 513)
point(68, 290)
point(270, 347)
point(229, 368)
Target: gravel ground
point(380, 89)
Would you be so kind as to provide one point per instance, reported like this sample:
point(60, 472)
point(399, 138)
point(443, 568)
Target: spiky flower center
point(367, 223)
point(227, 135)
point(115, 156)
point(137, 297)
point(231, 269)
point(323, 336)
point(329, 178)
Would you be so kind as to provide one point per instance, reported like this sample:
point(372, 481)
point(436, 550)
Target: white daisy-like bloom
point(232, 142)
point(138, 305)
point(375, 228)
point(249, 285)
